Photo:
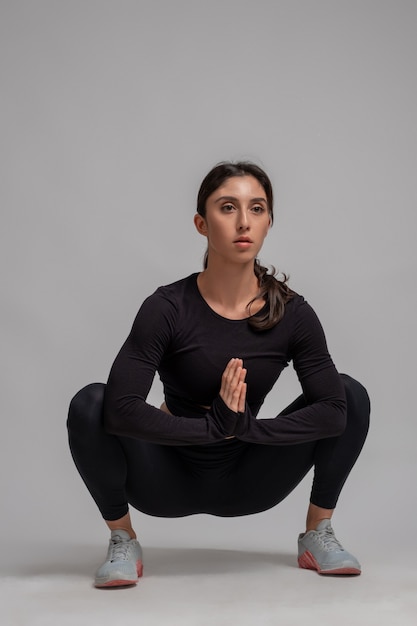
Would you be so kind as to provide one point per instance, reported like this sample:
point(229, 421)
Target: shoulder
point(303, 319)
point(298, 308)
point(158, 317)
point(174, 296)
point(167, 301)
point(175, 292)
point(298, 311)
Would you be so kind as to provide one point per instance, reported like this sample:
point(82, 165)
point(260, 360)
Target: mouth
point(243, 243)
point(243, 240)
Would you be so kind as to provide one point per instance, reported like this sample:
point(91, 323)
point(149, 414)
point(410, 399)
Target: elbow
point(122, 416)
point(337, 418)
point(339, 426)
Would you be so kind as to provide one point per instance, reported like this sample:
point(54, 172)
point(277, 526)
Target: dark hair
point(275, 292)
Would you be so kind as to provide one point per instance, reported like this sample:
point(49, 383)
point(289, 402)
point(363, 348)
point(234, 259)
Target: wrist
point(224, 418)
point(242, 422)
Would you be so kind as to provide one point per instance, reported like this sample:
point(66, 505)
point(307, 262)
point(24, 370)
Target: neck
point(230, 290)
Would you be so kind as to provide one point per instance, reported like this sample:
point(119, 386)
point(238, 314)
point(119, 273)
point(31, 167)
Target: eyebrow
point(233, 199)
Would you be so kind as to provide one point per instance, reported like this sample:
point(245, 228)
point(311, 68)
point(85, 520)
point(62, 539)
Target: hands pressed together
point(233, 386)
point(229, 412)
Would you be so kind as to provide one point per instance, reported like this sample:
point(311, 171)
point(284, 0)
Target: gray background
point(111, 114)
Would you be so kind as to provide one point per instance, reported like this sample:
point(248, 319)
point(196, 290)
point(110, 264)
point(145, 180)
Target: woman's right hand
point(233, 386)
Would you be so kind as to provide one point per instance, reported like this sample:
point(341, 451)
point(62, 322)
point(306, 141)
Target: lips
point(243, 240)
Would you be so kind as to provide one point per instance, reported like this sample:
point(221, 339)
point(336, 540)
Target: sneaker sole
point(121, 582)
point(307, 561)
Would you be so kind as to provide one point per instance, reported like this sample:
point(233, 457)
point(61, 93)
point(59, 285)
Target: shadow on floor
point(203, 561)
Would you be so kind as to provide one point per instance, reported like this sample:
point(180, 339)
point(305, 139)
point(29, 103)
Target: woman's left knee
point(356, 395)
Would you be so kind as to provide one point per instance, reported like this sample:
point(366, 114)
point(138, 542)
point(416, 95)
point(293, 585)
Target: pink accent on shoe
point(307, 561)
point(125, 583)
point(139, 568)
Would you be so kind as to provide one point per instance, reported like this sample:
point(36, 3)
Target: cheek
point(217, 230)
point(266, 231)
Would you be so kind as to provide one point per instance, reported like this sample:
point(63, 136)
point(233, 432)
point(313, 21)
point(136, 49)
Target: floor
point(197, 587)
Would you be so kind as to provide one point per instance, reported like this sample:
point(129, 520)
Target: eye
point(257, 208)
point(228, 208)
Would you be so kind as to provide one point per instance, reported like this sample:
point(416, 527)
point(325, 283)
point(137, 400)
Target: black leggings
point(229, 478)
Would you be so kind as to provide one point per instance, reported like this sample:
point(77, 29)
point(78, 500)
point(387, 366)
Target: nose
point(242, 220)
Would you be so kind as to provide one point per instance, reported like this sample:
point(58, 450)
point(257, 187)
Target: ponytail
point(275, 292)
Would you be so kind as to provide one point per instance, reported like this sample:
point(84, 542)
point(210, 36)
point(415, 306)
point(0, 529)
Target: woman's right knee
point(87, 404)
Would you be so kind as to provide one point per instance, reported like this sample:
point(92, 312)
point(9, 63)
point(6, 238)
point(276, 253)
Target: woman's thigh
point(263, 477)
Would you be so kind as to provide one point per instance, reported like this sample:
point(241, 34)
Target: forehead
point(243, 187)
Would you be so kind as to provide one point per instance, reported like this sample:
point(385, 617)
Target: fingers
point(233, 386)
point(242, 399)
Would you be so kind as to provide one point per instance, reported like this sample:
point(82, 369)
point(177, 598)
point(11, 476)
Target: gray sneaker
point(320, 550)
point(123, 565)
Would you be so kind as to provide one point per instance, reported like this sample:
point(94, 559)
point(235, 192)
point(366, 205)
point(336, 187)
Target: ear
point(269, 226)
point(200, 224)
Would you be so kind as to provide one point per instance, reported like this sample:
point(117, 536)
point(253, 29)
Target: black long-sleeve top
point(178, 335)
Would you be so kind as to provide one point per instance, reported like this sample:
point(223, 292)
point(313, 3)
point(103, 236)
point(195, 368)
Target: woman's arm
point(324, 413)
point(126, 412)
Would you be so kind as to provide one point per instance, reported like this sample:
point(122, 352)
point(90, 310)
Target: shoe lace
point(119, 550)
point(328, 540)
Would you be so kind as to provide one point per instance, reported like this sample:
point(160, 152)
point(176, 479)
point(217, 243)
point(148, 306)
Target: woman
point(219, 340)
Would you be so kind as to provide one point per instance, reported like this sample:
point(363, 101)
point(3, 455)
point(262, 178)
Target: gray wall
point(111, 113)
